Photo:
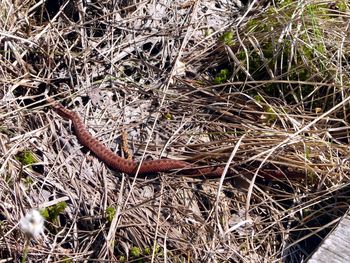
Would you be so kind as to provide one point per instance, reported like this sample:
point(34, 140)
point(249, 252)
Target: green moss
point(167, 116)
point(110, 213)
point(26, 158)
point(341, 6)
point(51, 213)
point(136, 252)
point(307, 153)
point(241, 55)
point(227, 38)
point(258, 98)
point(67, 260)
point(271, 116)
point(222, 76)
point(148, 250)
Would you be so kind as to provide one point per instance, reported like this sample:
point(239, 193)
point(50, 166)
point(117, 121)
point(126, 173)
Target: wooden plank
point(336, 246)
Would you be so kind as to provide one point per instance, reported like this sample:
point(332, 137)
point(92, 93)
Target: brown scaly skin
point(132, 168)
point(118, 163)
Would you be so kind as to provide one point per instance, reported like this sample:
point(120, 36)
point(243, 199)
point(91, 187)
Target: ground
point(260, 88)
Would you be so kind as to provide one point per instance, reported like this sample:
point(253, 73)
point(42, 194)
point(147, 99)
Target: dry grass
point(264, 86)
